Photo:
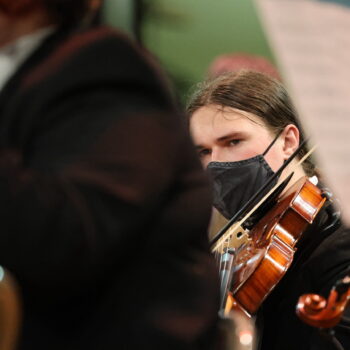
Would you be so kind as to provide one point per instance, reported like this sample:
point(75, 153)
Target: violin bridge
point(234, 238)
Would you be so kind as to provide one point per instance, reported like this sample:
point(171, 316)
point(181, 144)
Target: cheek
point(205, 161)
point(248, 150)
point(274, 159)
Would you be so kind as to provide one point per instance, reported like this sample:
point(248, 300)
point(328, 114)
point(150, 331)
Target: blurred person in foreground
point(104, 206)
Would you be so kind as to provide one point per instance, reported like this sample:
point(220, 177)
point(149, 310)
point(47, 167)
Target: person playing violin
point(245, 127)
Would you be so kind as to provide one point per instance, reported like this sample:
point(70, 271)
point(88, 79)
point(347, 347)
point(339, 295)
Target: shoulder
point(99, 55)
point(330, 260)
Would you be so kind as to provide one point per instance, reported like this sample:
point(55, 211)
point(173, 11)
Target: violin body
point(262, 262)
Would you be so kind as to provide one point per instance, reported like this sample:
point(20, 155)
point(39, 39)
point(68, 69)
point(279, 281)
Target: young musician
point(104, 205)
point(245, 127)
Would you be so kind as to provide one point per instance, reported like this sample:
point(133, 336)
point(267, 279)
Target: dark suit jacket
point(322, 258)
point(104, 206)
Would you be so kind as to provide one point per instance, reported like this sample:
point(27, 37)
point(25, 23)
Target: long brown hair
point(255, 93)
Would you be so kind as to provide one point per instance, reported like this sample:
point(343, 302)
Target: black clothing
point(322, 258)
point(104, 206)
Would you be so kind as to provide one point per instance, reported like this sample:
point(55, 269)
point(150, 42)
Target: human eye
point(203, 152)
point(234, 142)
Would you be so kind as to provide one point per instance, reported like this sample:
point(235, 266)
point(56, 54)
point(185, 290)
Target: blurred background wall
point(119, 13)
point(186, 35)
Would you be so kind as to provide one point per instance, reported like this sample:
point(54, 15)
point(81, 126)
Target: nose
point(218, 155)
point(213, 156)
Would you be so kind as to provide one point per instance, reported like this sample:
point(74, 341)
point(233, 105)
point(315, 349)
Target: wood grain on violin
point(262, 262)
point(10, 313)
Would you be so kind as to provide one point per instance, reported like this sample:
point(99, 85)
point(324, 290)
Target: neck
point(15, 27)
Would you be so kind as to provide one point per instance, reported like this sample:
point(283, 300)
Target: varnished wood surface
point(9, 311)
point(262, 263)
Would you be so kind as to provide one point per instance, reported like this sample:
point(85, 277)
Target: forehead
point(212, 122)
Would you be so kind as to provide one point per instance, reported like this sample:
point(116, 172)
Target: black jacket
point(322, 258)
point(104, 206)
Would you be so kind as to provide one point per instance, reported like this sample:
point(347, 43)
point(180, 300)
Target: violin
point(10, 311)
point(318, 312)
point(259, 263)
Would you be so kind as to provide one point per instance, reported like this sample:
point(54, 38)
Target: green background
point(186, 35)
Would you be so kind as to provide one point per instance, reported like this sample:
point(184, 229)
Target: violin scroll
point(318, 312)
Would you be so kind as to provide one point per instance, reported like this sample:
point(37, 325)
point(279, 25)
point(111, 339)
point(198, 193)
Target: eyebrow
point(224, 138)
point(230, 135)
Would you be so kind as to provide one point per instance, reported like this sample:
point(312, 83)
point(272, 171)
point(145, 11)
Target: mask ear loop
point(273, 142)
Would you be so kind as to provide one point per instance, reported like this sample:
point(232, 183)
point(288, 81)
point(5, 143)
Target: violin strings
point(224, 262)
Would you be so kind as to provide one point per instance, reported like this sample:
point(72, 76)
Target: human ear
point(290, 138)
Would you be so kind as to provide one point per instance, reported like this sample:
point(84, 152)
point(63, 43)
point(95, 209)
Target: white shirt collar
point(15, 53)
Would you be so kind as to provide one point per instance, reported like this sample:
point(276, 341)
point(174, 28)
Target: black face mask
point(236, 182)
